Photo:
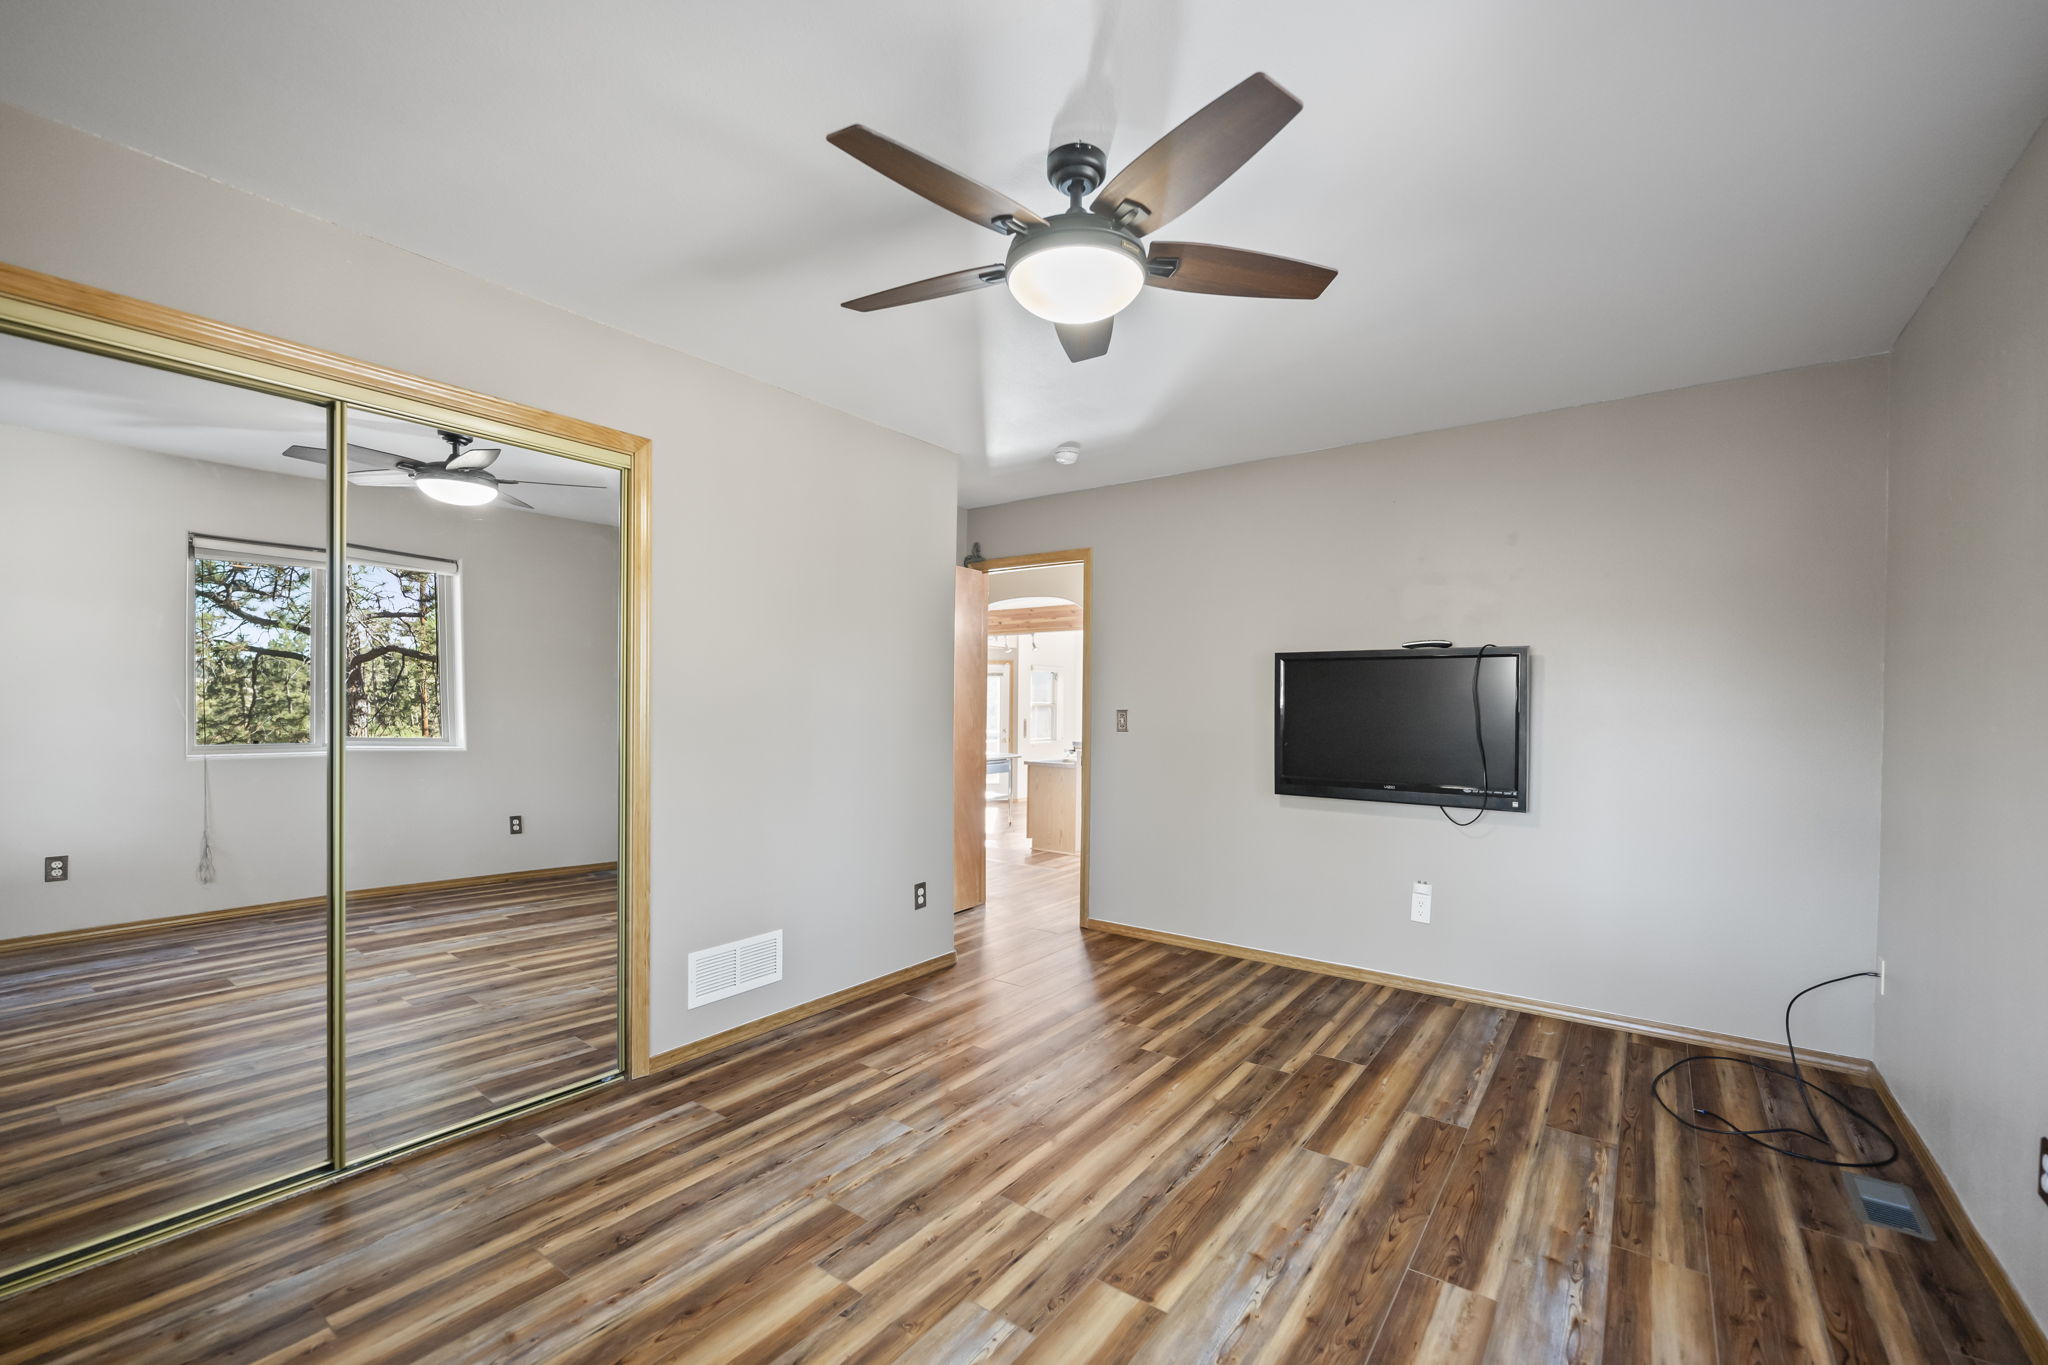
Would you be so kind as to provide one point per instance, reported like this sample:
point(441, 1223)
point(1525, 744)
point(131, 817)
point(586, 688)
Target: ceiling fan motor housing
point(1076, 168)
point(1076, 228)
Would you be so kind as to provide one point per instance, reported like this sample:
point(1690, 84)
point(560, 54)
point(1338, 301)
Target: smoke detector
point(1066, 452)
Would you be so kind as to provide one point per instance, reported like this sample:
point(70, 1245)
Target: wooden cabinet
point(1052, 807)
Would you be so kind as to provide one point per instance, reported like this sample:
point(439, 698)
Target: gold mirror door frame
point(46, 308)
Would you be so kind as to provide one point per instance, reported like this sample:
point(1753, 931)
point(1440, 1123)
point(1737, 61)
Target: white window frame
point(446, 604)
point(1051, 705)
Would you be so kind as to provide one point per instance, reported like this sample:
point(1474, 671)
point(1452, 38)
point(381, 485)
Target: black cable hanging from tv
point(1479, 733)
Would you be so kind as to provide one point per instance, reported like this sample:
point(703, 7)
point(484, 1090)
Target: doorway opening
point(1030, 667)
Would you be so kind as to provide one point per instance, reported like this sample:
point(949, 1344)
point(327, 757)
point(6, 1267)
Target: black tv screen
point(1398, 725)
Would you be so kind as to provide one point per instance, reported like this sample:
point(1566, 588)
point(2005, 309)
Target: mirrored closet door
point(482, 696)
point(164, 831)
point(310, 786)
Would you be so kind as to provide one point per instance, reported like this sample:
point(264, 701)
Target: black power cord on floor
point(1479, 732)
point(1807, 1090)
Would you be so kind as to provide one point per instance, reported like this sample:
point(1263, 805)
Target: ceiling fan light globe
point(458, 489)
point(1076, 274)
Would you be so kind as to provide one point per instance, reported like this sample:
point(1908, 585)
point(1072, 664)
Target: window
point(1042, 720)
point(394, 652)
point(252, 645)
point(1000, 672)
point(258, 612)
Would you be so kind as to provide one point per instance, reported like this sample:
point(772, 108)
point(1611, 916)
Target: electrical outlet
point(519, 824)
point(57, 869)
point(2041, 1175)
point(1418, 903)
point(1880, 976)
point(1123, 722)
point(919, 897)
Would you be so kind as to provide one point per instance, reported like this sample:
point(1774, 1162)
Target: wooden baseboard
point(675, 1056)
point(1677, 1033)
point(485, 879)
point(233, 912)
point(2008, 1295)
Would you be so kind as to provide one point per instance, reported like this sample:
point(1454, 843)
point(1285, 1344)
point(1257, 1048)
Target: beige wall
point(1701, 576)
point(754, 488)
point(1960, 1031)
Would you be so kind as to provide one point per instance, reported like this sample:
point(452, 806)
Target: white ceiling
point(1532, 204)
point(52, 388)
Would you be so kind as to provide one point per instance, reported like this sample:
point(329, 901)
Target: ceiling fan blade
point(937, 287)
point(543, 483)
point(511, 501)
point(1084, 340)
point(381, 478)
point(1198, 268)
point(1175, 173)
point(921, 175)
point(358, 455)
point(474, 458)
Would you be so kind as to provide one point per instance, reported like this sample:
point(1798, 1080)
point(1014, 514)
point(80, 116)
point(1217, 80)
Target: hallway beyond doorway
point(1026, 890)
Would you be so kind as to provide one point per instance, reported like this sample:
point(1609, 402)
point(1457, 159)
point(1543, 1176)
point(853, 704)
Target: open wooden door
point(970, 737)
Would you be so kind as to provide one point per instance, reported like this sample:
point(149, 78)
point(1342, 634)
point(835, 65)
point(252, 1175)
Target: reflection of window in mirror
point(254, 620)
point(1041, 723)
point(256, 680)
point(401, 645)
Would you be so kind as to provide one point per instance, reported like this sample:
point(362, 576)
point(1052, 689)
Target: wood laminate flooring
point(157, 1070)
point(1072, 1147)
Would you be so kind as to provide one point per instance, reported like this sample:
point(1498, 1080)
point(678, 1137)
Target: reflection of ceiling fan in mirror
point(464, 478)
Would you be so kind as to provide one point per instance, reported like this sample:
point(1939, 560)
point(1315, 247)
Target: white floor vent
point(1888, 1205)
point(731, 968)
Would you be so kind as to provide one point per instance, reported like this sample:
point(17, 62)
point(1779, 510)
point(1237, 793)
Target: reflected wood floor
point(153, 1071)
point(1072, 1147)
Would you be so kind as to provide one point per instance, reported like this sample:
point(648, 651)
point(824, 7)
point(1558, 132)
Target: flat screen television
point(1399, 725)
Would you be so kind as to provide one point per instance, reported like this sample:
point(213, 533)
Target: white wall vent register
point(733, 967)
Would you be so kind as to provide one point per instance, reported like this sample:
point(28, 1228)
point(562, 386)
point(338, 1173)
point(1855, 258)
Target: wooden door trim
point(969, 748)
point(71, 313)
point(1086, 559)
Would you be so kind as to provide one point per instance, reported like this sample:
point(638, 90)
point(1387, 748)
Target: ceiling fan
point(464, 478)
point(1078, 269)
